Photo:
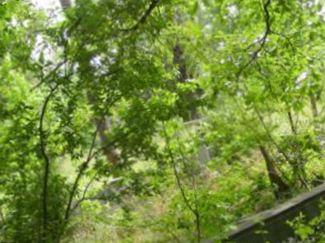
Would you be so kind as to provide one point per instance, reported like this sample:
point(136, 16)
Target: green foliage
point(312, 230)
point(107, 108)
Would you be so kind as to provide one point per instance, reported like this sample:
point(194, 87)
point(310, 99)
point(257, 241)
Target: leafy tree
point(113, 101)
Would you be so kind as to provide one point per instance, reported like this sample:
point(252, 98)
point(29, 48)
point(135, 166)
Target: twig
point(196, 210)
point(84, 192)
point(178, 180)
point(49, 75)
point(179, 184)
point(65, 46)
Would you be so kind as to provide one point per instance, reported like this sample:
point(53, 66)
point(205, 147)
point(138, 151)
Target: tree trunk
point(292, 125)
point(108, 150)
point(183, 76)
point(65, 3)
point(313, 105)
point(179, 60)
point(275, 178)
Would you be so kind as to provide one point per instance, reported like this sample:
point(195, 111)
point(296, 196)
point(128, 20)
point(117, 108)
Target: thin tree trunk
point(298, 166)
point(275, 178)
point(313, 105)
point(42, 138)
point(292, 125)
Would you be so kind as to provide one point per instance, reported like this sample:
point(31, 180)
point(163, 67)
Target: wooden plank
point(278, 214)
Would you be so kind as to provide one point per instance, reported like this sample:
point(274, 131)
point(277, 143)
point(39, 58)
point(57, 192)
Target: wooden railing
point(271, 225)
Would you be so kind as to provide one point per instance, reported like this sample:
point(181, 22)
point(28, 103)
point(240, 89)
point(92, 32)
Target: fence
point(271, 225)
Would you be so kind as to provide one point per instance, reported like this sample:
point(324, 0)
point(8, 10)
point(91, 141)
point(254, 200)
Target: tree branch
point(144, 17)
point(46, 161)
point(195, 210)
point(82, 169)
point(49, 75)
point(178, 180)
point(83, 197)
point(63, 62)
point(262, 41)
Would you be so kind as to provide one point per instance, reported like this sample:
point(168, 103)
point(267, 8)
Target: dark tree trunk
point(292, 125)
point(179, 60)
point(275, 178)
point(183, 77)
point(65, 3)
point(313, 105)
